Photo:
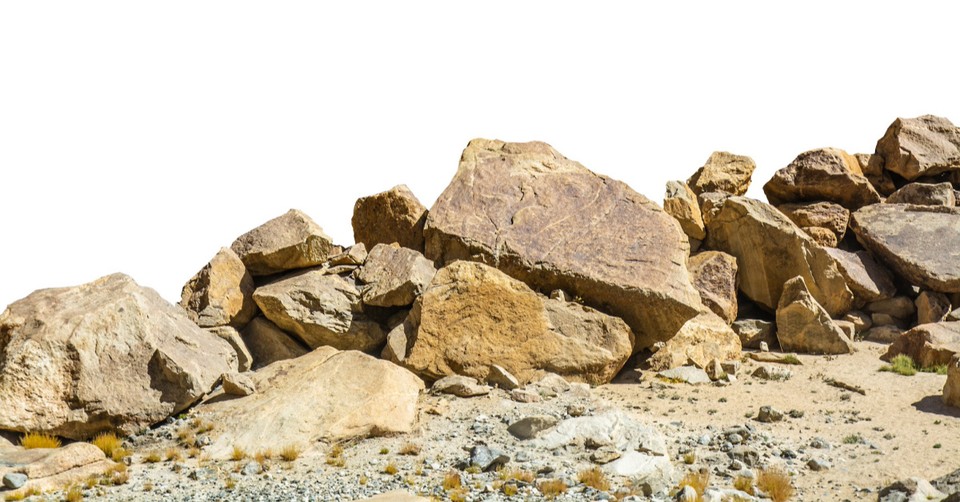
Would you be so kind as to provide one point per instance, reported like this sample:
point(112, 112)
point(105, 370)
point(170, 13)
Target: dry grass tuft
point(452, 481)
point(335, 456)
point(153, 457)
point(33, 440)
point(552, 488)
point(238, 454)
point(699, 481)
point(116, 475)
point(193, 452)
point(290, 453)
point(391, 469)
point(775, 483)
point(148, 486)
point(594, 478)
point(108, 443)
point(230, 483)
point(410, 449)
point(515, 475)
point(744, 484)
point(174, 455)
point(458, 495)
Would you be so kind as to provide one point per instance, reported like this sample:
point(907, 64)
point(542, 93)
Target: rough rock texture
point(868, 280)
point(472, 316)
point(919, 243)
point(832, 217)
point(221, 293)
point(922, 146)
point(925, 194)
point(827, 174)
point(387, 217)
point(932, 307)
point(714, 275)
point(353, 255)
point(928, 344)
point(238, 384)
point(900, 307)
point(232, 336)
point(394, 276)
point(53, 468)
point(872, 167)
point(951, 390)
point(320, 309)
point(267, 343)
point(700, 340)
point(107, 355)
point(822, 236)
point(287, 242)
point(681, 203)
point(753, 332)
point(770, 250)
point(350, 395)
point(804, 326)
point(553, 224)
point(723, 172)
point(710, 205)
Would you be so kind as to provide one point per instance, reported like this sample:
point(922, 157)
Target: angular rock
point(613, 427)
point(267, 343)
point(804, 326)
point(354, 255)
point(860, 320)
point(922, 146)
point(387, 217)
point(701, 339)
point(899, 307)
point(910, 490)
point(772, 373)
point(884, 333)
point(460, 386)
point(394, 276)
point(681, 203)
point(52, 468)
point(652, 471)
point(237, 384)
point(14, 480)
point(754, 331)
point(530, 427)
point(287, 242)
point(723, 172)
point(686, 374)
point(925, 194)
point(847, 327)
point(532, 213)
point(714, 275)
point(951, 390)
point(502, 378)
point(221, 293)
point(710, 205)
point(826, 174)
point(927, 344)
point(487, 459)
point(932, 307)
point(872, 167)
point(232, 336)
point(868, 280)
point(882, 319)
point(824, 237)
point(60, 354)
point(832, 217)
point(768, 414)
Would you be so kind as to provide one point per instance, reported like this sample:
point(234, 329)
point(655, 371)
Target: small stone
point(524, 396)
point(764, 347)
point(502, 378)
point(749, 456)
point(772, 373)
point(487, 459)
point(576, 410)
point(816, 464)
point(14, 480)
point(731, 368)
point(714, 370)
point(251, 468)
point(237, 384)
point(819, 443)
point(687, 374)
point(787, 453)
point(460, 386)
point(530, 427)
point(605, 455)
point(769, 415)
point(559, 294)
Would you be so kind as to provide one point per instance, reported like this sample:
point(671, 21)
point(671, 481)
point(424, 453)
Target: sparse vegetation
point(552, 488)
point(689, 458)
point(153, 457)
point(474, 469)
point(32, 440)
point(363, 480)
point(515, 475)
point(451, 481)
point(173, 455)
point(594, 478)
point(699, 481)
point(115, 475)
point(410, 449)
point(238, 454)
point(853, 439)
point(110, 445)
point(940, 369)
point(458, 495)
point(509, 489)
point(290, 453)
point(391, 468)
point(148, 486)
point(744, 484)
point(775, 483)
point(230, 483)
point(335, 456)
point(901, 365)
point(193, 452)
point(790, 359)
point(384, 451)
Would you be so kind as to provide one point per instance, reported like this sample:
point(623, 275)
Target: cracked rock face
point(548, 221)
point(922, 146)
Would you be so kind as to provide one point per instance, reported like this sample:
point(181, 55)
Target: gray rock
point(614, 427)
point(769, 414)
point(605, 454)
point(687, 374)
point(868, 280)
point(910, 490)
point(460, 386)
point(753, 332)
point(817, 464)
point(820, 444)
point(530, 427)
point(14, 480)
point(924, 194)
point(746, 454)
point(487, 459)
point(772, 373)
point(251, 468)
point(654, 470)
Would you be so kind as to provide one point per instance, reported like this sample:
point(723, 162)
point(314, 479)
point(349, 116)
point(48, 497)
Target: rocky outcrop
point(221, 293)
point(287, 242)
point(61, 352)
point(754, 332)
point(924, 194)
point(827, 174)
point(700, 340)
point(821, 215)
point(536, 215)
point(394, 276)
point(922, 146)
point(714, 275)
point(868, 280)
point(804, 326)
point(387, 217)
point(927, 344)
point(723, 172)
point(268, 344)
point(681, 203)
point(230, 335)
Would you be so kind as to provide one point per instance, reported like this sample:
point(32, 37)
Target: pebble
point(816, 464)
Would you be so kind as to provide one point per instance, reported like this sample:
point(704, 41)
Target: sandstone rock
point(221, 293)
point(472, 316)
point(920, 243)
point(922, 146)
point(884, 333)
point(287, 242)
point(53, 468)
point(872, 167)
point(723, 172)
point(824, 237)
point(320, 309)
point(770, 250)
point(687, 374)
point(267, 343)
point(899, 307)
point(527, 210)
point(60, 354)
point(860, 320)
point(951, 390)
point(387, 217)
point(754, 331)
point(804, 326)
point(927, 344)
point(502, 378)
point(847, 327)
point(701, 339)
point(714, 275)
point(827, 174)
point(460, 386)
point(910, 490)
point(530, 427)
point(882, 319)
point(868, 280)
point(710, 204)
point(237, 384)
point(394, 276)
point(681, 203)
point(769, 414)
point(827, 215)
point(232, 336)
point(925, 194)
point(932, 307)
point(354, 255)
point(350, 395)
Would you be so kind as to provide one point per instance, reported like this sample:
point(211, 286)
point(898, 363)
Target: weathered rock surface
point(932, 307)
point(827, 174)
point(52, 468)
point(924, 194)
point(238, 384)
point(754, 331)
point(899, 307)
point(928, 344)
point(681, 203)
point(700, 340)
point(233, 337)
point(804, 326)
point(832, 217)
point(387, 217)
point(770, 250)
point(460, 386)
point(267, 343)
point(714, 275)
point(723, 172)
point(353, 255)
point(551, 223)
point(872, 167)
point(221, 293)
point(472, 316)
point(951, 389)
point(710, 204)
point(822, 236)
point(922, 146)
point(394, 276)
point(287, 242)
point(868, 280)
point(919, 243)
point(106, 355)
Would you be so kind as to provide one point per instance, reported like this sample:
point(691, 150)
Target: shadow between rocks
point(934, 404)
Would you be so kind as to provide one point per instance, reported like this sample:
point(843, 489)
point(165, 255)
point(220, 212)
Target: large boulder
point(723, 172)
point(919, 243)
point(287, 242)
point(770, 250)
point(387, 217)
point(804, 326)
point(827, 215)
point(221, 293)
point(927, 344)
point(324, 395)
point(951, 389)
point(473, 316)
point(551, 223)
point(700, 340)
point(868, 280)
point(681, 203)
point(107, 355)
point(394, 276)
point(925, 194)
point(714, 274)
point(827, 174)
point(922, 146)
point(268, 344)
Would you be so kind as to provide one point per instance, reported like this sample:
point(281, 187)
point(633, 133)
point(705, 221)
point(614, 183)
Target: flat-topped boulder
point(921, 146)
point(826, 174)
point(723, 172)
point(925, 194)
point(287, 242)
point(869, 280)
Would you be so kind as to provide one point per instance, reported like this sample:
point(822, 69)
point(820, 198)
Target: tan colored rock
point(922, 146)
point(354, 255)
point(826, 215)
point(52, 469)
point(932, 307)
point(872, 167)
point(868, 280)
point(714, 275)
point(681, 203)
point(394, 276)
point(826, 174)
point(60, 351)
point(900, 307)
point(700, 340)
point(822, 236)
point(324, 395)
point(710, 205)
point(473, 316)
point(927, 344)
point(237, 384)
point(221, 293)
point(723, 172)
point(804, 326)
point(320, 309)
point(288, 242)
point(268, 344)
point(884, 333)
point(860, 320)
point(232, 336)
point(753, 332)
point(770, 250)
point(924, 194)
point(551, 223)
point(394, 216)
point(951, 389)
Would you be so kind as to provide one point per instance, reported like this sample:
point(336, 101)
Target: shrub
point(901, 365)
point(409, 449)
point(458, 495)
point(510, 489)
point(290, 453)
point(33, 440)
point(153, 457)
point(940, 369)
point(391, 469)
point(515, 475)
point(790, 359)
point(552, 488)
point(74, 494)
point(230, 483)
point(744, 484)
point(108, 443)
point(174, 455)
point(384, 451)
point(594, 478)
point(775, 483)
point(238, 454)
point(335, 456)
point(452, 481)
point(689, 458)
point(699, 481)
point(853, 439)
point(115, 475)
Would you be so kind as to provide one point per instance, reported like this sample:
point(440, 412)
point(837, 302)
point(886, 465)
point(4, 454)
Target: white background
point(143, 136)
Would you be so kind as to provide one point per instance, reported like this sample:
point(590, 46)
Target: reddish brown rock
point(922, 146)
point(714, 274)
point(827, 174)
point(287, 242)
point(387, 217)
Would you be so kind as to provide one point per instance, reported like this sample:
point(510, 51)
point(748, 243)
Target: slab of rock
point(924, 194)
point(710, 205)
point(320, 309)
point(752, 332)
point(472, 316)
point(387, 217)
point(353, 255)
point(910, 490)
point(922, 146)
point(700, 340)
point(804, 326)
point(14, 480)
point(530, 427)
point(460, 386)
point(267, 343)
point(613, 427)
point(502, 378)
point(772, 373)
point(860, 320)
point(350, 395)
point(714, 275)
point(287, 242)
point(233, 337)
point(919, 243)
point(932, 307)
point(899, 307)
point(551, 223)
point(686, 374)
point(106, 355)
point(826, 174)
point(884, 333)
point(394, 276)
point(221, 293)
point(723, 172)
point(681, 203)
point(827, 215)
point(770, 250)
point(654, 472)
point(237, 384)
point(868, 280)
point(951, 390)
point(52, 468)
point(927, 344)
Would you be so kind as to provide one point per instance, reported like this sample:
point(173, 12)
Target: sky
point(140, 137)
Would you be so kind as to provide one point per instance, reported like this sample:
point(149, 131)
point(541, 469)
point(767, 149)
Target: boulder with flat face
point(924, 194)
point(702, 339)
point(287, 242)
point(723, 172)
point(714, 274)
point(548, 221)
point(268, 344)
point(220, 294)
point(681, 203)
point(868, 280)
point(927, 344)
point(951, 389)
point(922, 146)
point(387, 217)
point(871, 165)
point(832, 217)
point(394, 276)
point(827, 174)
point(804, 326)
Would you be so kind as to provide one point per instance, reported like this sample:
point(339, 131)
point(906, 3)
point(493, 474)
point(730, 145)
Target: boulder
point(353, 255)
point(723, 172)
point(52, 468)
point(927, 344)
point(685, 374)
point(919, 243)
point(860, 320)
point(951, 390)
point(320, 309)
point(324, 395)
point(924, 194)
point(770, 250)
point(827, 174)
point(237, 384)
point(233, 337)
point(710, 204)
point(714, 275)
point(551, 223)
point(872, 167)
point(899, 307)
point(883, 333)
point(700, 340)
point(107, 355)
point(267, 343)
point(681, 203)
point(221, 293)
point(868, 280)
point(827, 215)
point(824, 237)
point(753, 332)
point(473, 316)
point(910, 490)
point(394, 276)
point(804, 326)
point(287, 242)
point(922, 146)
point(387, 217)
point(932, 307)
point(460, 386)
